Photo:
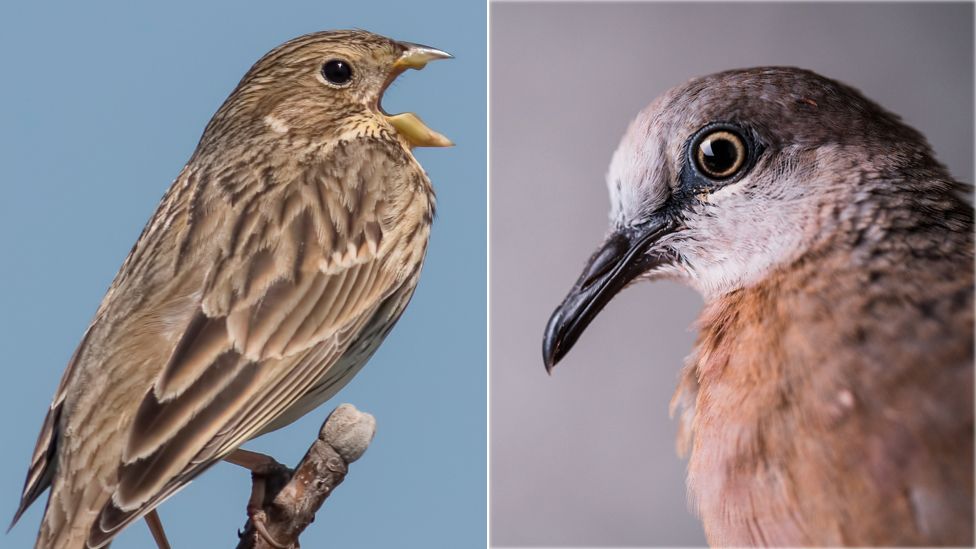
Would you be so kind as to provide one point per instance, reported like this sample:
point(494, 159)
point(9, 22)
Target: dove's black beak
point(624, 256)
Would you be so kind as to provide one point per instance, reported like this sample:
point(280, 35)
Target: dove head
point(745, 164)
point(721, 180)
point(325, 85)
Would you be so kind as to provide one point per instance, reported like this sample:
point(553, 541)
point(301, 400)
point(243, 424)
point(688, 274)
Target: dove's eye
point(337, 72)
point(719, 154)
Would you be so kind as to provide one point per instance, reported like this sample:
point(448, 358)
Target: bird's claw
point(258, 519)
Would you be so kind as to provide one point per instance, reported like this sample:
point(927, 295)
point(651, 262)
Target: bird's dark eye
point(720, 154)
point(337, 72)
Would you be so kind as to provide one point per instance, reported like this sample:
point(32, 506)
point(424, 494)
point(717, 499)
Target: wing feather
point(201, 344)
point(140, 479)
point(278, 341)
point(158, 420)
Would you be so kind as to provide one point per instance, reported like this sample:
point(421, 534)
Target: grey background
point(587, 456)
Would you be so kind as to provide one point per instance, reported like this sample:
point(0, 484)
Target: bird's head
point(721, 180)
point(326, 85)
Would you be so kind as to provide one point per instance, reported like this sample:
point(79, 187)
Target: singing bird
point(274, 266)
point(829, 396)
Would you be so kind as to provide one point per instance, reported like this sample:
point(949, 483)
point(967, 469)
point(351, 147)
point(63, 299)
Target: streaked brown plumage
point(829, 399)
point(276, 263)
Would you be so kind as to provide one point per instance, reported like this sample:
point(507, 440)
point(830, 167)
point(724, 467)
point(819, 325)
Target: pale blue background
point(100, 106)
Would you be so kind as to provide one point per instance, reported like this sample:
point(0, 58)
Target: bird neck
point(856, 294)
point(814, 356)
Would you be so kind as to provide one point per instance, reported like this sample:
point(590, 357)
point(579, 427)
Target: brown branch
point(284, 501)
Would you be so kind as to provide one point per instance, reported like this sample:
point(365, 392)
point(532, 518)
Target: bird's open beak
point(408, 124)
point(418, 55)
point(623, 257)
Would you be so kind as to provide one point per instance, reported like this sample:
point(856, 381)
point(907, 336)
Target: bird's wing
point(300, 278)
point(297, 277)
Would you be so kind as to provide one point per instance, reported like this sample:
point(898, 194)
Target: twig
point(284, 501)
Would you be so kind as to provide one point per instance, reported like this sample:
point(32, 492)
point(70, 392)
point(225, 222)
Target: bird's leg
point(156, 529)
point(261, 466)
point(253, 461)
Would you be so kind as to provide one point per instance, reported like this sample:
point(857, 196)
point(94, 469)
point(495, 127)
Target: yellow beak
point(408, 124)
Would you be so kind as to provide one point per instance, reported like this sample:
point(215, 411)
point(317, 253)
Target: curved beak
point(623, 257)
point(408, 124)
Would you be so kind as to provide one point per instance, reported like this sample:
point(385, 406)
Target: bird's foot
point(263, 468)
point(259, 520)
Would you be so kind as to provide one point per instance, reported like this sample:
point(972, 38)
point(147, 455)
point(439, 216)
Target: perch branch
point(284, 501)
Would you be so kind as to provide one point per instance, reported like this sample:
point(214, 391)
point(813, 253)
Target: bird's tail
point(67, 521)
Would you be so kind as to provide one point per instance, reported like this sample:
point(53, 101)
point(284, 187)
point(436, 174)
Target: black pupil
point(718, 155)
point(337, 72)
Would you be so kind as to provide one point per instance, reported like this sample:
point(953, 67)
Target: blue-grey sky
point(102, 103)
